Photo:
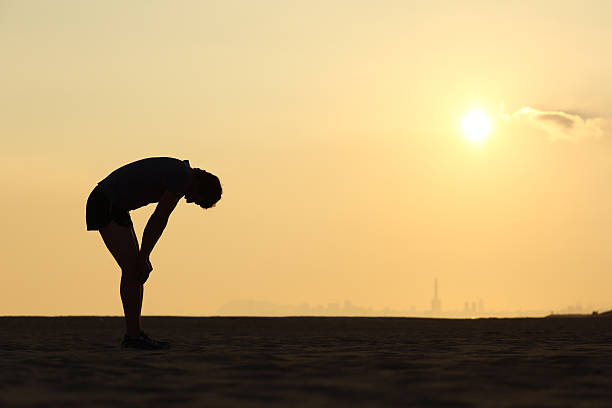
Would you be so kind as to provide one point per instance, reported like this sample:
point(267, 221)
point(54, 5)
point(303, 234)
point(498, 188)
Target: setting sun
point(476, 125)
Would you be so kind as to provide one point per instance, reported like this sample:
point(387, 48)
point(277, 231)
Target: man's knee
point(131, 273)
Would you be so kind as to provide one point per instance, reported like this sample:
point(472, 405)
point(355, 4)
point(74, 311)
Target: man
point(163, 180)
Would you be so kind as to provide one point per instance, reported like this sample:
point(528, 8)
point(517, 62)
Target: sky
point(335, 128)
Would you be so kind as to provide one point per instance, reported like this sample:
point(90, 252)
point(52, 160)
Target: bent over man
point(161, 180)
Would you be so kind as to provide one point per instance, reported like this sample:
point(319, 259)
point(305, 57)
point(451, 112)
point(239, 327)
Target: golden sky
point(335, 127)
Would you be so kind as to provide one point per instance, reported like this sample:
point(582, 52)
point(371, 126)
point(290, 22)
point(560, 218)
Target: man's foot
point(144, 342)
point(163, 344)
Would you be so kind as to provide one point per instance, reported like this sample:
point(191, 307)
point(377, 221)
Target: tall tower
point(435, 302)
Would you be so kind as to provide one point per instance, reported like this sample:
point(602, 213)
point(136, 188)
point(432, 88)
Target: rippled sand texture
point(309, 362)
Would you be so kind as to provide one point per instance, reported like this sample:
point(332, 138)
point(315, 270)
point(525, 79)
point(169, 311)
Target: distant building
point(333, 309)
point(435, 302)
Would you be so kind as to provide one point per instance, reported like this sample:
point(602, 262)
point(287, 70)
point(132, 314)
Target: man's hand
point(145, 266)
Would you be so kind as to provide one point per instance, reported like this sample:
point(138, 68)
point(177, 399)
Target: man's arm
point(158, 221)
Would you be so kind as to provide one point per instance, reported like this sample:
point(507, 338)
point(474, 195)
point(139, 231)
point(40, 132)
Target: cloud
point(559, 119)
point(561, 125)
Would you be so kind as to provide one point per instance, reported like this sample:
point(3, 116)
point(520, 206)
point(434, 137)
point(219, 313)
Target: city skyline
point(471, 309)
point(250, 307)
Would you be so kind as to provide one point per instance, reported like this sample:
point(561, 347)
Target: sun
point(476, 125)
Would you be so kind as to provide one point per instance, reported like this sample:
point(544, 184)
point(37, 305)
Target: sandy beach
point(308, 362)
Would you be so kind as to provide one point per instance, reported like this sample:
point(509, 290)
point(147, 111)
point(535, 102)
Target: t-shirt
point(144, 181)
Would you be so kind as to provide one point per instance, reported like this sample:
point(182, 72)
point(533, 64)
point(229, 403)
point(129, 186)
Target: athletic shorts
point(101, 211)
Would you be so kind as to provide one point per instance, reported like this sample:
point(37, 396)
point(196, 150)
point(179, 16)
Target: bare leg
point(141, 289)
point(122, 244)
point(130, 295)
point(140, 304)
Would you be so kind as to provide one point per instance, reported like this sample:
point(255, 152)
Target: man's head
point(205, 189)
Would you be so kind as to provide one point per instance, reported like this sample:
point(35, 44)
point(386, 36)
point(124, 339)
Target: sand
point(308, 362)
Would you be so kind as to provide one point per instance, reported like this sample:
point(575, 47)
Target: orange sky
point(335, 130)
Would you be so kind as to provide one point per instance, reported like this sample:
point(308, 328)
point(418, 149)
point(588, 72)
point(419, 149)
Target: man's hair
point(209, 188)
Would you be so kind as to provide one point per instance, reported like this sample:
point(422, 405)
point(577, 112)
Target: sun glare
point(476, 125)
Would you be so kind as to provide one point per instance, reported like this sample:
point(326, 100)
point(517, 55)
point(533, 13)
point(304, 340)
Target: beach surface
point(308, 362)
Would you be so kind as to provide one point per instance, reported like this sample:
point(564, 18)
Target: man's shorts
point(101, 211)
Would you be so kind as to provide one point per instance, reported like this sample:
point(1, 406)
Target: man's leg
point(141, 291)
point(122, 244)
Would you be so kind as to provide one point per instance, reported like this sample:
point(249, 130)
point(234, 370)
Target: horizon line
point(323, 316)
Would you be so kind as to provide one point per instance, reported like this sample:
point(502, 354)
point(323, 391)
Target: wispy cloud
point(559, 125)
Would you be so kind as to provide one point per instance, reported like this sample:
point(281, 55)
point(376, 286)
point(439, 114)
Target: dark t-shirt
point(144, 181)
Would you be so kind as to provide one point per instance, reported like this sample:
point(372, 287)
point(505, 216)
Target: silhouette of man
point(163, 180)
